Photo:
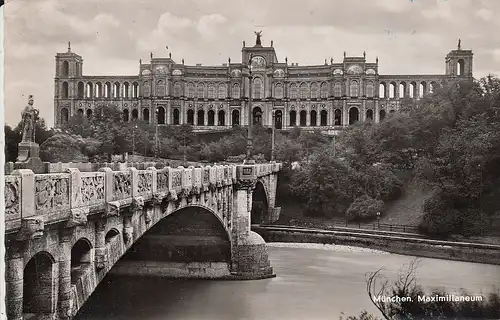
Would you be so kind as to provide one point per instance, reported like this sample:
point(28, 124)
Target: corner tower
point(459, 63)
point(68, 71)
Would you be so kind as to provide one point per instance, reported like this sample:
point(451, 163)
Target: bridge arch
point(260, 204)
point(193, 234)
point(39, 285)
point(81, 258)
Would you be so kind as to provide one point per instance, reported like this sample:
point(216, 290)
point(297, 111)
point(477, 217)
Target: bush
point(68, 148)
point(364, 208)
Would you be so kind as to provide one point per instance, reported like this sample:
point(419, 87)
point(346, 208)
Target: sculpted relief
point(258, 62)
point(11, 194)
point(279, 73)
point(51, 192)
point(145, 182)
point(355, 69)
point(92, 189)
point(122, 185)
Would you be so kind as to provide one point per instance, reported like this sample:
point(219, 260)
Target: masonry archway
point(260, 207)
point(81, 258)
point(39, 286)
point(189, 235)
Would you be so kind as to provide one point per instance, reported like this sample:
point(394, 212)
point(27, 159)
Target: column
point(345, 115)
point(64, 302)
point(377, 112)
point(216, 117)
point(14, 280)
point(308, 117)
point(100, 243)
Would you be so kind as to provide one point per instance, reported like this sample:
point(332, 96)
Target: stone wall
point(460, 251)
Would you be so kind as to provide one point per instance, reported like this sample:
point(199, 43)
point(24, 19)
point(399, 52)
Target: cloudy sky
point(408, 36)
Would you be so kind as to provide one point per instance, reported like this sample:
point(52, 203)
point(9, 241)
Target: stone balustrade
point(34, 200)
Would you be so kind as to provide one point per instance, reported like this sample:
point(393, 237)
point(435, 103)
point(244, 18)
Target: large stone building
point(327, 96)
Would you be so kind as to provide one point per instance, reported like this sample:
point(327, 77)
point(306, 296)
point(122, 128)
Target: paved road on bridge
point(314, 282)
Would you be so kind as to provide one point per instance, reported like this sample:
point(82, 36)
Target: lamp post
point(273, 124)
point(378, 219)
point(133, 139)
point(249, 159)
point(156, 133)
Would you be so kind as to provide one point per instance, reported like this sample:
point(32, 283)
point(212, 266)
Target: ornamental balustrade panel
point(122, 185)
point(176, 176)
point(52, 193)
point(162, 179)
point(145, 183)
point(91, 190)
point(12, 196)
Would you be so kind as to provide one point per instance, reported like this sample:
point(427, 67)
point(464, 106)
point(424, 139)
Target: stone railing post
point(14, 277)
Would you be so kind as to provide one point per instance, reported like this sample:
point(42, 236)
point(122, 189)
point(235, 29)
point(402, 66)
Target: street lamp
point(249, 159)
point(378, 219)
point(133, 140)
point(273, 124)
point(156, 133)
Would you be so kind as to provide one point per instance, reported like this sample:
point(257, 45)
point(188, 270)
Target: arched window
point(145, 115)
point(354, 88)
point(303, 118)
point(304, 91)
point(337, 117)
point(90, 90)
point(190, 117)
point(135, 114)
point(80, 112)
point(65, 68)
point(81, 89)
point(257, 115)
point(324, 90)
point(107, 90)
point(201, 118)
point(146, 89)
point(235, 118)
point(126, 88)
point(422, 88)
point(38, 292)
point(211, 117)
point(433, 87)
point(64, 115)
point(65, 90)
point(382, 115)
point(402, 89)
point(392, 90)
point(293, 118)
point(313, 118)
point(98, 90)
point(369, 114)
point(200, 91)
point(135, 90)
point(278, 91)
point(176, 116)
point(413, 90)
point(314, 91)
point(369, 89)
point(160, 115)
point(89, 113)
point(258, 92)
point(177, 89)
point(211, 91)
point(324, 118)
point(221, 118)
point(160, 88)
point(236, 91)
point(190, 90)
point(278, 119)
point(125, 115)
point(293, 91)
point(353, 115)
point(337, 89)
point(222, 91)
point(460, 67)
point(116, 89)
point(381, 90)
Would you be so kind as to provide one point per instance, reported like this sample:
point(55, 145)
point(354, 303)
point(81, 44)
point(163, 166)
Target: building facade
point(327, 97)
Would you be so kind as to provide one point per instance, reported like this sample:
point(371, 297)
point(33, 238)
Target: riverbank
point(458, 251)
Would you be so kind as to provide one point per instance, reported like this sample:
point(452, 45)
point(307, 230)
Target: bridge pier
point(14, 280)
point(64, 300)
point(250, 256)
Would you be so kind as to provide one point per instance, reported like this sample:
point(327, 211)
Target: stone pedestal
point(252, 258)
point(29, 157)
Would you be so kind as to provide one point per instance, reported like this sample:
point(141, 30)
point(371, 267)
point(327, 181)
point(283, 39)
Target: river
point(313, 282)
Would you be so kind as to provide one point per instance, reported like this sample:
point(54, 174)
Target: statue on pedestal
point(30, 117)
point(28, 148)
point(257, 41)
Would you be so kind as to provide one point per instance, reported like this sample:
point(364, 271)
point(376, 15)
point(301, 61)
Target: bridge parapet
point(72, 195)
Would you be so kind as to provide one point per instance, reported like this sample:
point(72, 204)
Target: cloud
point(484, 14)
point(209, 25)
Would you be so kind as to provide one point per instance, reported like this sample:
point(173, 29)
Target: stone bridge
point(66, 231)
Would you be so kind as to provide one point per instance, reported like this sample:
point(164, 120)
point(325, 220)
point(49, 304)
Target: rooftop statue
point(257, 41)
